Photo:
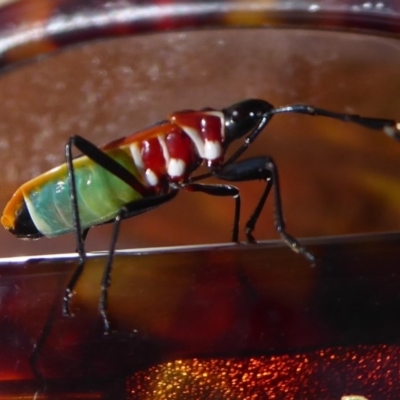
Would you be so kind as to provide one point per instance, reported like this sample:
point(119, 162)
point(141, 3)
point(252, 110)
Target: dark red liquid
point(251, 318)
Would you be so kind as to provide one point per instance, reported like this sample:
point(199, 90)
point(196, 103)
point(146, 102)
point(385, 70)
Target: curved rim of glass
point(32, 28)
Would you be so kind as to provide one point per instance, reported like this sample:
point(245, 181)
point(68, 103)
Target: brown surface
point(336, 178)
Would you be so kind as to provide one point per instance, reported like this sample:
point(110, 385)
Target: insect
point(142, 171)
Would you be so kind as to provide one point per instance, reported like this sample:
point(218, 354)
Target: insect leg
point(266, 169)
point(104, 160)
point(135, 208)
point(80, 248)
point(106, 280)
point(101, 158)
point(220, 190)
point(249, 138)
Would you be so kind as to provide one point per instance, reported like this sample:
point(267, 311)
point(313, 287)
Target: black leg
point(251, 223)
point(249, 139)
point(80, 249)
point(263, 168)
point(85, 233)
point(220, 190)
point(106, 280)
point(130, 210)
point(101, 158)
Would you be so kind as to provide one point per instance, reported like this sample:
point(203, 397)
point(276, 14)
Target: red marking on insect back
point(208, 126)
point(187, 119)
point(211, 128)
point(153, 156)
point(181, 147)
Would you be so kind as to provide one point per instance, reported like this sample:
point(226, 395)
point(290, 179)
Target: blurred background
point(336, 178)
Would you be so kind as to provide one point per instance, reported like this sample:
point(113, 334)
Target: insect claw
point(106, 322)
point(65, 309)
point(106, 331)
point(303, 251)
point(66, 312)
point(250, 238)
point(310, 257)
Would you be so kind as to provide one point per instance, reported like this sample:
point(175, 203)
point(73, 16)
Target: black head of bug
point(241, 117)
point(24, 227)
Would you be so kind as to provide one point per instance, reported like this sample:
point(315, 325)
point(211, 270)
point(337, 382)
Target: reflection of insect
point(146, 169)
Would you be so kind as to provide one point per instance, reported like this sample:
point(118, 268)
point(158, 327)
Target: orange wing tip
point(11, 210)
point(7, 222)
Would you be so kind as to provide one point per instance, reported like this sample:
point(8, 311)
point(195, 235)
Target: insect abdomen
point(100, 195)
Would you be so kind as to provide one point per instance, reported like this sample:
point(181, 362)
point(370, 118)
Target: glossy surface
point(229, 302)
point(330, 374)
point(35, 27)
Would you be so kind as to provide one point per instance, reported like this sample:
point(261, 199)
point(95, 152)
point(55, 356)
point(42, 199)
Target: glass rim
point(36, 27)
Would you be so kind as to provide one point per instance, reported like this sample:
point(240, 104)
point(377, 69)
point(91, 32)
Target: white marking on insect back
point(176, 167)
point(138, 160)
point(220, 115)
point(212, 150)
point(151, 177)
point(136, 155)
point(164, 148)
point(196, 139)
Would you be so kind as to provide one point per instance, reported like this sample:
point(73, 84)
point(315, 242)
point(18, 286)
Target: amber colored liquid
point(194, 321)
